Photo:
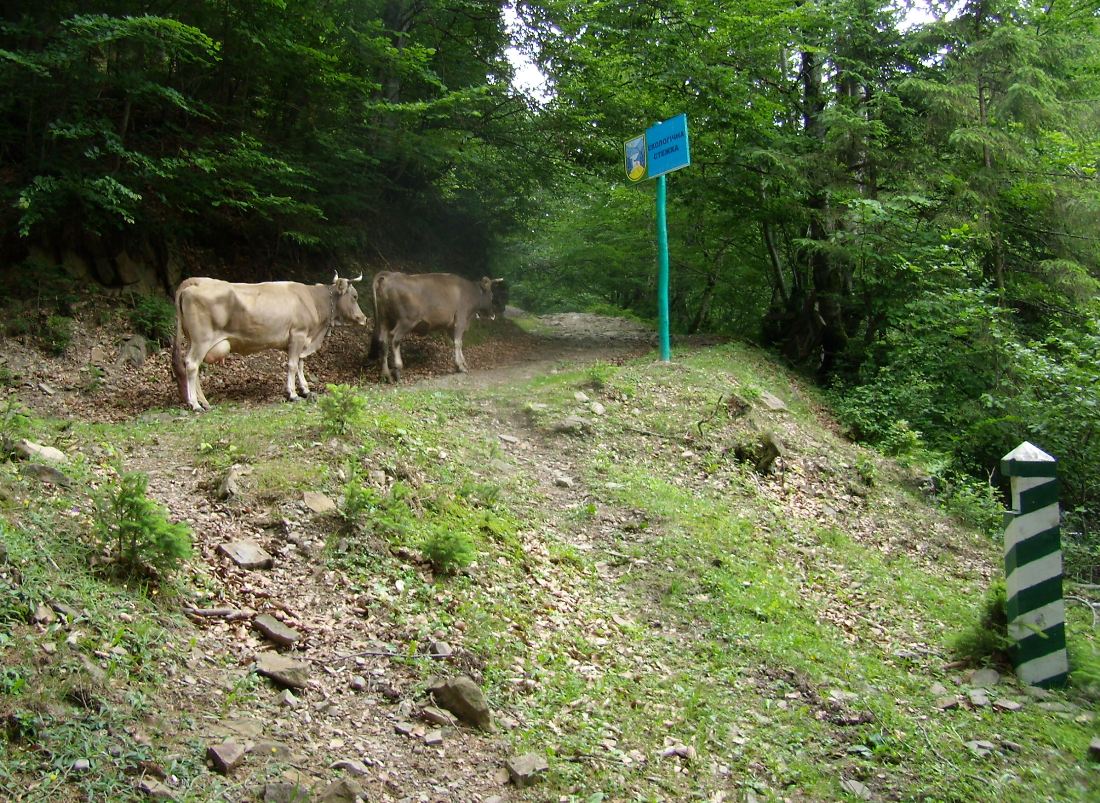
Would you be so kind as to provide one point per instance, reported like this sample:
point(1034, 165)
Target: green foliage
point(359, 499)
point(57, 334)
point(986, 640)
point(154, 318)
point(342, 409)
point(136, 531)
point(449, 550)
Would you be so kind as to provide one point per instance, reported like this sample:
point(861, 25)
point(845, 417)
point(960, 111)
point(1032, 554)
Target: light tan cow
point(219, 317)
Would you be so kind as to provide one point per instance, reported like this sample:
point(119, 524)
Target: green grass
point(674, 599)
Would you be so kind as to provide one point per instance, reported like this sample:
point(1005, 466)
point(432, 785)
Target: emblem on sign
point(635, 158)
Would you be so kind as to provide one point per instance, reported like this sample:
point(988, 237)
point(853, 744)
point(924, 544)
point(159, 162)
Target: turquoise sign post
point(661, 149)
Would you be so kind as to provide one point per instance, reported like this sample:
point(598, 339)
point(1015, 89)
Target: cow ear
point(486, 283)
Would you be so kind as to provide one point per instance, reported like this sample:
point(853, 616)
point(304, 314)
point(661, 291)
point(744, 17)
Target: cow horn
point(358, 278)
point(497, 281)
point(335, 276)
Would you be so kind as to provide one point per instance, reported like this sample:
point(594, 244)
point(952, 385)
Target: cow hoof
point(294, 398)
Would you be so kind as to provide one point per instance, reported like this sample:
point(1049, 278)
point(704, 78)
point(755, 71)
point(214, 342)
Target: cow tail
point(375, 352)
point(178, 368)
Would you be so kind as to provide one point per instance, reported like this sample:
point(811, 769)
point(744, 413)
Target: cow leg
point(197, 354)
point(293, 364)
point(302, 377)
point(398, 363)
point(460, 360)
point(384, 337)
point(293, 367)
point(397, 336)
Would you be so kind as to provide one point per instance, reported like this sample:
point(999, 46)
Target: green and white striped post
point(1033, 568)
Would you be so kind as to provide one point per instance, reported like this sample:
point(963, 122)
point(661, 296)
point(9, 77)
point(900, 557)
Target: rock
point(352, 766)
point(275, 630)
point(47, 474)
point(938, 690)
point(225, 756)
point(980, 747)
point(275, 751)
point(761, 451)
point(358, 683)
point(572, 425)
point(343, 791)
point(1094, 749)
point(433, 738)
point(985, 678)
point(979, 698)
point(49, 391)
point(773, 403)
point(683, 751)
point(29, 450)
point(230, 484)
point(855, 788)
point(463, 698)
point(247, 555)
point(288, 699)
point(132, 352)
point(597, 408)
point(150, 787)
point(284, 792)
point(562, 481)
point(1037, 692)
point(526, 769)
point(510, 439)
point(1006, 705)
point(1015, 747)
point(81, 765)
point(436, 716)
point(43, 615)
point(440, 649)
point(403, 728)
point(947, 703)
point(318, 503)
point(581, 396)
point(283, 670)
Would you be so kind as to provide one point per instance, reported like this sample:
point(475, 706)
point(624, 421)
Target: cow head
point(494, 296)
point(346, 300)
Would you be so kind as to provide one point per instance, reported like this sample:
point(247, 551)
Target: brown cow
point(425, 302)
point(219, 317)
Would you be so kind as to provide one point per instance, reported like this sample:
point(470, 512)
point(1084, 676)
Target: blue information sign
point(661, 149)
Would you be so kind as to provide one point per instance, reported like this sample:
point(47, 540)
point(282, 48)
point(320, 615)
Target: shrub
point(57, 334)
point(448, 549)
point(137, 531)
point(987, 639)
point(358, 498)
point(154, 318)
point(341, 409)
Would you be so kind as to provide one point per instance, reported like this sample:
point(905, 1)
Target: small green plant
point(987, 639)
point(154, 318)
point(358, 498)
point(137, 531)
point(57, 334)
point(93, 378)
point(974, 502)
point(901, 439)
point(341, 409)
point(448, 549)
point(866, 469)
